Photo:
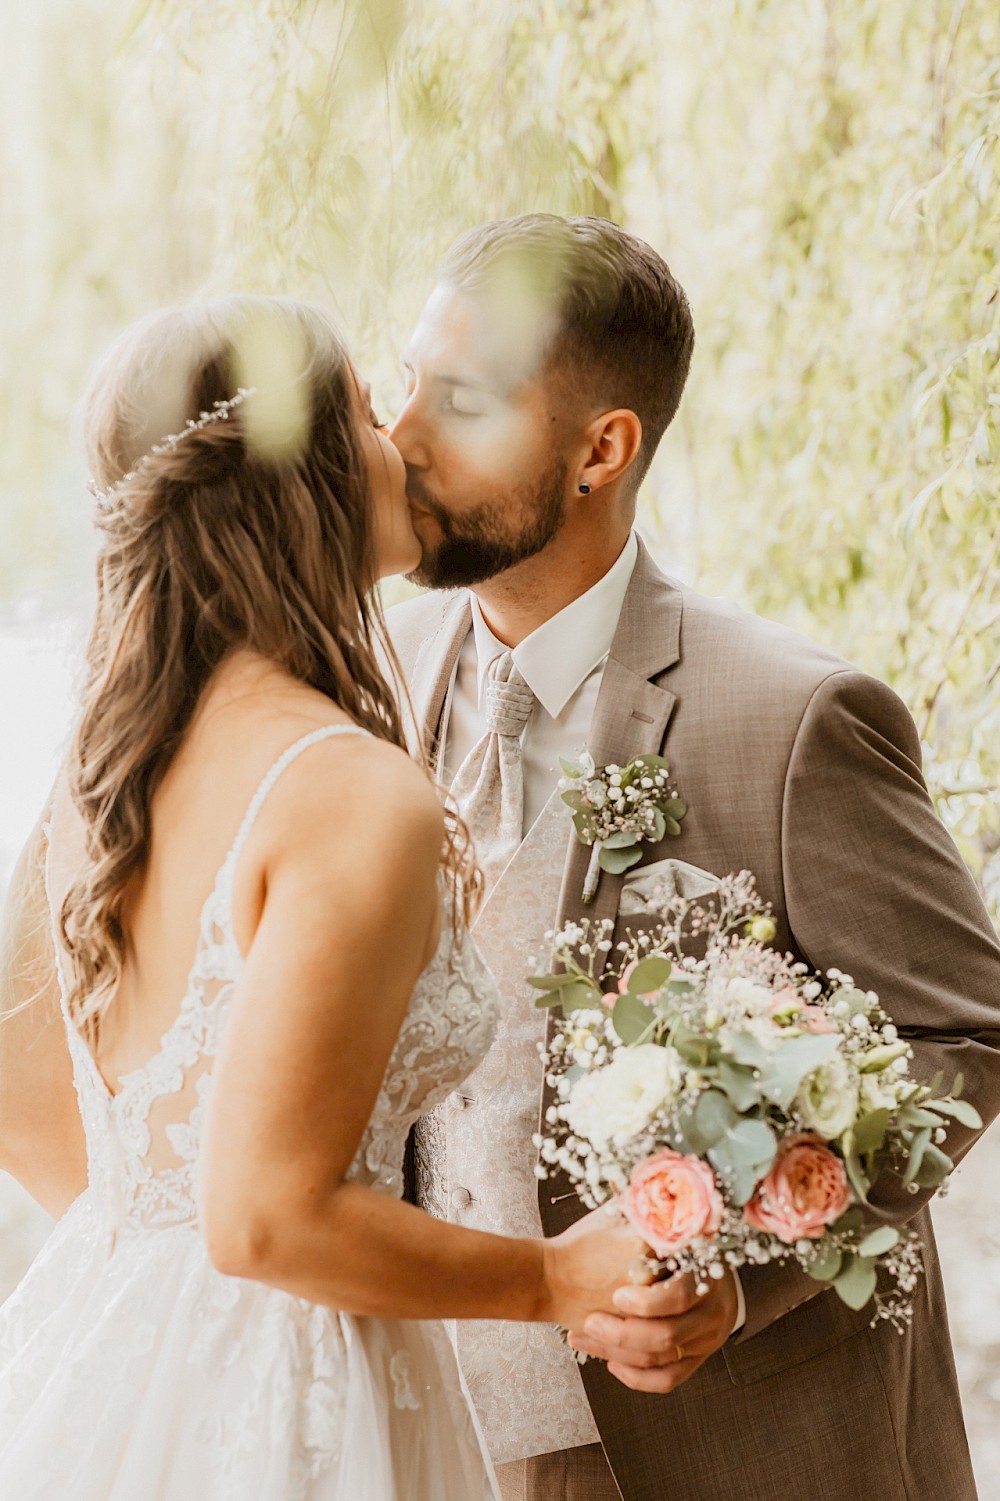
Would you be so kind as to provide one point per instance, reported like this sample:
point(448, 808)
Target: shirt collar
point(564, 650)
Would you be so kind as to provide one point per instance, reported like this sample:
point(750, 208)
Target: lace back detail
point(144, 1140)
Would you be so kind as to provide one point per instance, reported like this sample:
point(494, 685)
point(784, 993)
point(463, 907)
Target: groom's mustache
point(421, 498)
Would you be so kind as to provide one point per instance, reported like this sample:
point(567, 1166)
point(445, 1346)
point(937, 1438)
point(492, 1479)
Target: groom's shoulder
point(752, 654)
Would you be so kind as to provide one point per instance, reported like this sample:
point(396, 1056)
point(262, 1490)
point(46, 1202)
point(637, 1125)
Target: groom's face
point(481, 436)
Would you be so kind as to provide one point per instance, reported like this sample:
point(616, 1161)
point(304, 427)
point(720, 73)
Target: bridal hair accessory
point(218, 412)
point(615, 808)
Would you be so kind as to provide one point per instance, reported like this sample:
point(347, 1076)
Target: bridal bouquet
point(736, 1106)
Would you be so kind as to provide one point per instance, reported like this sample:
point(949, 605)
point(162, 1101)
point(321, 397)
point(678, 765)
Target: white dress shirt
point(562, 663)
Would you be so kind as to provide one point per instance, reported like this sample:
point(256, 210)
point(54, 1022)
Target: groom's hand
point(665, 1332)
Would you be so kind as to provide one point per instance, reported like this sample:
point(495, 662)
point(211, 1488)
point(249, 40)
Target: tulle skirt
point(147, 1375)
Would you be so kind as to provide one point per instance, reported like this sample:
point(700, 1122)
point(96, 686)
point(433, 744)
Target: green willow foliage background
point(821, 174)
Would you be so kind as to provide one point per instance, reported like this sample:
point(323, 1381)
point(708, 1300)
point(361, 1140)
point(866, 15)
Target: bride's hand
point(584, 1266)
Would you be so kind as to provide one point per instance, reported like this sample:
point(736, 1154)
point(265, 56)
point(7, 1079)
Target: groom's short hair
point(624, 328)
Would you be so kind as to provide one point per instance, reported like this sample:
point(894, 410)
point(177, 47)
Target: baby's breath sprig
point(617, 808)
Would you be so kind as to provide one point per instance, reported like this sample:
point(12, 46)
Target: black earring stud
point(584, 488)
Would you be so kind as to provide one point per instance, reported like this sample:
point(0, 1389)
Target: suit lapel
point(632, 713)
point(434, 666)
point(631, 718)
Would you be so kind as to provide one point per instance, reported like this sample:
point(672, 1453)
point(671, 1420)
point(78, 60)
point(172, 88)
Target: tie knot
point(509, 700)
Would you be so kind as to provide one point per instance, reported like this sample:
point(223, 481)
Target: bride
point(261, 965)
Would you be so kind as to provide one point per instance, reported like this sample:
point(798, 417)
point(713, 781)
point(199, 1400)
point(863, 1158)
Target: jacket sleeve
point(874, 886)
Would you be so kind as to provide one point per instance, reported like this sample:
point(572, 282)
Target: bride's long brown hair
point(255, 532)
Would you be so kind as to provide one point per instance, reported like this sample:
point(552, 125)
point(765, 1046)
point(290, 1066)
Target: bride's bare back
point(248, 714)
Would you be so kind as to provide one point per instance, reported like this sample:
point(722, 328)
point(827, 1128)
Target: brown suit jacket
point(801, 768)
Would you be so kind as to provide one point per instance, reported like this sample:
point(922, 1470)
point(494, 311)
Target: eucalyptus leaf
point(869, 1132)
point(857, 1000)
point(714, 1115)
point(631, 1017)
point(752, 1143)
point(739, 1178)
point(649, 975)
point(574, 799)
point(850, 1221)
point(914, 1115)
point(878, 1241)
point(918, 1146)
point(673, 827)
point(690, 1138)
point(550, 982)
point(548, 998)
point(577, 995)
point(571, 768)
point(659, 826)
point(739, 1084)
point(691, 1045)
point(748, 1051)
point(790, 1062)
point(615, 861)
point(674, 807)
point(855, 1283)
point(857, 1177)
point(826, 1266)
point(621, 839)
point(962, 1111)
point(935, 1166)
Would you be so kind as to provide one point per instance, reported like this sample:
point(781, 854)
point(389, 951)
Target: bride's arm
point(41, 1134)
point(349, 919)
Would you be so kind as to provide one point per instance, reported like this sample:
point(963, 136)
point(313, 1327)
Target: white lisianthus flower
point(878, 1091)
point(613, 1104)
point(754, 999)
point(828, 1097)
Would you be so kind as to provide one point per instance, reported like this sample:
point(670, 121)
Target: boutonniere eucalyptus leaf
point(618, 808)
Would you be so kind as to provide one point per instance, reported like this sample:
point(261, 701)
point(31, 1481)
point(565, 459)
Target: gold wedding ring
point(680, 1353)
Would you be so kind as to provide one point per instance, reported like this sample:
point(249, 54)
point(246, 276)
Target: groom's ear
point(611, 444)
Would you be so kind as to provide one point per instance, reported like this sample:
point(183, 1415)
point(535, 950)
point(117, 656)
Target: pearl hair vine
point(218, 412)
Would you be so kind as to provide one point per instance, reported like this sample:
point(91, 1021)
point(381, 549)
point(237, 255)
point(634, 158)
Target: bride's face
point(396, 543)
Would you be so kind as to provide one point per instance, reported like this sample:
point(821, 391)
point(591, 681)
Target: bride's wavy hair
point(256, 531)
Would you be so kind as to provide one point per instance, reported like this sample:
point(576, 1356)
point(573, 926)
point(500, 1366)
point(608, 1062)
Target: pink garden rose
point(787, 1003)
point(671, 1200)
point(805, 1191)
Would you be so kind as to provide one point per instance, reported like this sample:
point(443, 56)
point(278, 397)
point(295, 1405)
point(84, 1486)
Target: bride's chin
point(400, 561)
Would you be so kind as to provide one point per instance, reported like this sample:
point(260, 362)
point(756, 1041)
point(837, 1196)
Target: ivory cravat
point(488, 786)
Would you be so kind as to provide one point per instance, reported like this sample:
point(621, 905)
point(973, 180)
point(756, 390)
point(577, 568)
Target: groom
point(545, 367)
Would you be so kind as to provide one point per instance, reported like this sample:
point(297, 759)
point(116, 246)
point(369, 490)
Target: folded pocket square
point(666, 879)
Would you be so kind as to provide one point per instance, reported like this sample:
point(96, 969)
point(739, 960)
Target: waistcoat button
point(460, 1198)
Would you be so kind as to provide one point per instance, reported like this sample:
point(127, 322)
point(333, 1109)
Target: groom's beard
point(493, 536)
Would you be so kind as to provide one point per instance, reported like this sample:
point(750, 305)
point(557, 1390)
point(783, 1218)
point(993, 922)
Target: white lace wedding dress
point(132, 1370)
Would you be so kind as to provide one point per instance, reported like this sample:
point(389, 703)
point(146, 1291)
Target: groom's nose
point(410, 436)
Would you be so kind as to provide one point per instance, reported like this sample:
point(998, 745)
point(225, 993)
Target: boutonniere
point(616, 808)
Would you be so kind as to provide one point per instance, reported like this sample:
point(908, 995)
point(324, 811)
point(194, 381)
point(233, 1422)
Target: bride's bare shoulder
point(352, 780)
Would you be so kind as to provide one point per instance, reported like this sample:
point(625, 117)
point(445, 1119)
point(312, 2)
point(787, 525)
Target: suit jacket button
point(460, 1198)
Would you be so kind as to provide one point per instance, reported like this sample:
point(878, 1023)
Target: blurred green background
point(822, 175)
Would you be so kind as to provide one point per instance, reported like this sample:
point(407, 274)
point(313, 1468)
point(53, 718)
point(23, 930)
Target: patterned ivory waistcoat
point(476, 1162)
